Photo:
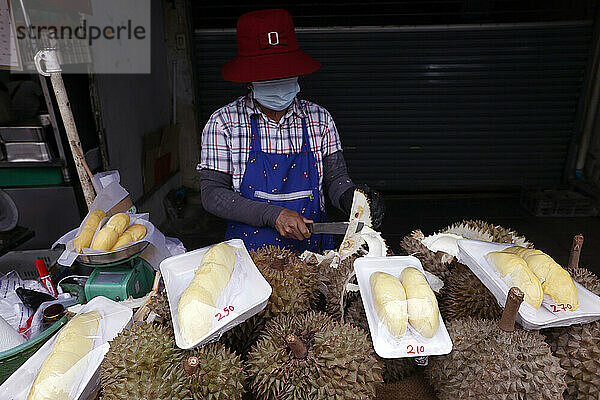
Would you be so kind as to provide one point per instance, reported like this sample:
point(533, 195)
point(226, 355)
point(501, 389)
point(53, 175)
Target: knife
point(334, 228)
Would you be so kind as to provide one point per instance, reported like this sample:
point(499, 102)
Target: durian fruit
point(84, 239)
point(414, 387)
point(394, 369)
point(515, 272)
point(488, 363)
point(294, 285)
point(310, 356)
point(586, 278)
point(578, 348)
point(480, 230)
point(143, 363)
point(463, 295)
point(67, 360)
point(556, 281)
point(107, 236)
point(132, 234)
point(438, 263)
point(159, 305)
point(389, 299)
point(196, 306)
point(423, 312)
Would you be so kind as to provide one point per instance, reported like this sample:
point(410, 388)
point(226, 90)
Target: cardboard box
point(161, 156)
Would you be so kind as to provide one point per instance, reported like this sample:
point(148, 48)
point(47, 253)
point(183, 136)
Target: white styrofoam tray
point(246, 293)
point(412, 344)
point(549, 315)
point(115, 318)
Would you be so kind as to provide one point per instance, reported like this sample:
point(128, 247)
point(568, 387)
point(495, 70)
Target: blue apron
point(287, 180)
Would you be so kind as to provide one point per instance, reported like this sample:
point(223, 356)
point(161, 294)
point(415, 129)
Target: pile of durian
point(486, 362)
point(312, 340)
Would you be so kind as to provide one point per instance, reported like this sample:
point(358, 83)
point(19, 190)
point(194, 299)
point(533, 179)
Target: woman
point(268, 157)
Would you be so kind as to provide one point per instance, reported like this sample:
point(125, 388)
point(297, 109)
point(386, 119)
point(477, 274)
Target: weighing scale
point(118, 275)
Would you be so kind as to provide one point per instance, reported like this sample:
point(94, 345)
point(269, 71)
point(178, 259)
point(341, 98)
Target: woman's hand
point(292, 225)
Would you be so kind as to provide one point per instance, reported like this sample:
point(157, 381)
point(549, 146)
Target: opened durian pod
point(497, 360)
point(438, 251)
point(206, 291)
point(337, 267)
point(552, 297)
point(144, 363)
point(311, 356)
point(401, 308)
point(295, 290)
point(65, 366)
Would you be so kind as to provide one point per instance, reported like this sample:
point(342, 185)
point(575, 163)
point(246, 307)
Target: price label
point(410, 349)
point(225, 313)
point(561, 307)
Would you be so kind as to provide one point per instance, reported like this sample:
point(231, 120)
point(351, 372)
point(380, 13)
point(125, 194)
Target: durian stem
point(191, 365)
point(278, 264)
point(575, 251)
point(509, 316)
point(296, 345)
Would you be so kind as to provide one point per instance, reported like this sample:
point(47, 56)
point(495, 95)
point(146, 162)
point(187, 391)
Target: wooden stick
point(509, 316)
point(80, 155)
point(575, 251)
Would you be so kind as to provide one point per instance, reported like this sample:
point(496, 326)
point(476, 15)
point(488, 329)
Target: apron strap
point(305, 139)
point(254, 134)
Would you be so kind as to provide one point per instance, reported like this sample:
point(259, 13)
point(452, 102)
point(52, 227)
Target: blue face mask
point(277, 94)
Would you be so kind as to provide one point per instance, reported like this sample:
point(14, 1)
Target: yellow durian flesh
point(221, 253)
point(105, 239)
point(84, 239)
point(515, 272)
point(522, 251)
point(423, 312)
point(64, 363)
point(134, 233)
point(195, 313)
point(389, 299)
point(556, 281)
point(213, 278)
point(119, 222)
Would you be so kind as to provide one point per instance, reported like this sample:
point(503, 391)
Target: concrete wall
point(133, 106)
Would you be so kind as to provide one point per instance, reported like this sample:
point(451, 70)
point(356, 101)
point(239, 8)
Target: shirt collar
point(294, 108)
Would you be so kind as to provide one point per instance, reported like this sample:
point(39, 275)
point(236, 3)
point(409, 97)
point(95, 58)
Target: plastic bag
point(9, 337)
point(72, 378)
point(12, 308)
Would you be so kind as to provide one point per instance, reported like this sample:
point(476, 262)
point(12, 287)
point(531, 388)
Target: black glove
point(376, 203)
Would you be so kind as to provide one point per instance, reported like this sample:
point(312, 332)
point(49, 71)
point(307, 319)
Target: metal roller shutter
point(432, 108)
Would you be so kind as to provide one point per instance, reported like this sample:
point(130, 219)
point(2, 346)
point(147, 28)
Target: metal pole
point(50, 58)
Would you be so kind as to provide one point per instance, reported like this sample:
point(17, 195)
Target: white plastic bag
point(412, 343)
point(115, 318)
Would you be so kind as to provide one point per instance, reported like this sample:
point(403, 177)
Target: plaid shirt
point(226, 136)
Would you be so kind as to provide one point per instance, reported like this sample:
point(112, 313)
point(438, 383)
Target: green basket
point(12, 359)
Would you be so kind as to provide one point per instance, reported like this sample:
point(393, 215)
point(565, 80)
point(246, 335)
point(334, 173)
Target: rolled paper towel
point(9, 337)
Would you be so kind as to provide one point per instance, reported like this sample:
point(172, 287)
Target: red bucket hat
point(267, 49)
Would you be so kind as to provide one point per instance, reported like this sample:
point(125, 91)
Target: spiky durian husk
point(431, 261)
point(415, 387)
point(481, 230)
point(463, 295)
point(159, 304)
point(335, 278)
point(394, 369)
point(340, 364)
point(488, 363)
point(578, 347)
point(294, 285)
point(586, 278)
point(143, 363)
point(220, 374)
